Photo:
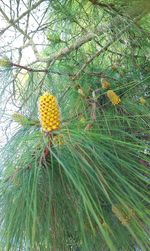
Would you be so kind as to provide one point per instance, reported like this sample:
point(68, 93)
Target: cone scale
point(49, 114)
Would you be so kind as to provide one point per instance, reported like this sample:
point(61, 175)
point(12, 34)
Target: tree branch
point(28, 68)
point(115, 38)
point(76, 45)
point(13, 23)
point(34, 6)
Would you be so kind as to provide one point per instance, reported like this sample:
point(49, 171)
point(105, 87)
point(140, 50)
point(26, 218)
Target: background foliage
point(85, 186)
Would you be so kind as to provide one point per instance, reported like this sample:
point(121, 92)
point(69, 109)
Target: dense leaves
point(84, 186)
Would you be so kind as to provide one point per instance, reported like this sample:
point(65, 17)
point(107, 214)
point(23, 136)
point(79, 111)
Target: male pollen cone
point(113, 97)
point(49, 113)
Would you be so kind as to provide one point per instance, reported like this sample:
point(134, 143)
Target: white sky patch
point(12, 40)
point(18, 47)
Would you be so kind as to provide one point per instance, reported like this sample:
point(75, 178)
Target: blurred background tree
point(75, 175)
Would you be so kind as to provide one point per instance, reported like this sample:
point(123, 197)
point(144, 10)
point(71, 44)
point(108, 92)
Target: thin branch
point(115, 38)
point(34, 6)
point(46, 70)
point(21, 31)
point(76, 45)
point(65, 51)
point(28, 68)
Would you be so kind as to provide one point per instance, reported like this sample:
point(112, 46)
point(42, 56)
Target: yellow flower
point(113, 97)
point(105, 84)
point(142, 100)
point(49, 114)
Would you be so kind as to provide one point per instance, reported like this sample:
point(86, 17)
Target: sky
point(11, 41)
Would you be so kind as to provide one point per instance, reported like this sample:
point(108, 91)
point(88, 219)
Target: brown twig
point(29, 69)
point(34, 6)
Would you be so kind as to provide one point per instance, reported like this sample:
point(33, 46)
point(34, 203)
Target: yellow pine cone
point(105, 84)
point(113, 97)
point(142, 101)
point(123, 217)
point(49, 114)
point(4, 62)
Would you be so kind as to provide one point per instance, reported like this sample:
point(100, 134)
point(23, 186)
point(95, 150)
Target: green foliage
point(24, 121)
point(5, 63)
point(69, 193)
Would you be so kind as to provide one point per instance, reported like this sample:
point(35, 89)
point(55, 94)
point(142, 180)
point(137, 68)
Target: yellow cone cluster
point(105, 84)
point(142, 101)
point(113, 97)
point(124, 217)
point(49, 114)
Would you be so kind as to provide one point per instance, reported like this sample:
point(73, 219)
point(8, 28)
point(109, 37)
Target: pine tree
point(75, 168)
